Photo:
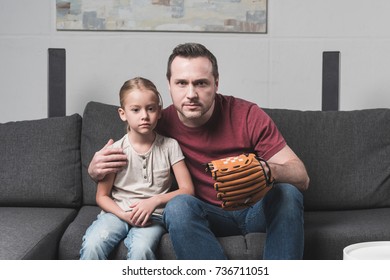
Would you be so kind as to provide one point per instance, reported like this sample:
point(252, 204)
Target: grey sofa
point(47, 199)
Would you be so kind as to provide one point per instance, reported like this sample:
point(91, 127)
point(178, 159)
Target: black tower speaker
point(57, 83)
point(330, 80)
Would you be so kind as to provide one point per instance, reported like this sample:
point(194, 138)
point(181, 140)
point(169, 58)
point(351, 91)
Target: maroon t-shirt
point(236, 126)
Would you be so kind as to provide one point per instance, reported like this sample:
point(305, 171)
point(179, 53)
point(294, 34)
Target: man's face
point(193, 88)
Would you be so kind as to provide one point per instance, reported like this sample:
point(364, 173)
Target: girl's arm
point(105, 201)
point(144, 209)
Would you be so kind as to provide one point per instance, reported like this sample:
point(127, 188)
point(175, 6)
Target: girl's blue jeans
point(108, 230)
point(193, 225)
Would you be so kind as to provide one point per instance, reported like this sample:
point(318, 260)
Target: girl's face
point(141, 111)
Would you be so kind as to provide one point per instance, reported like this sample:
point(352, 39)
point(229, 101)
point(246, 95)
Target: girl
point(132, 200)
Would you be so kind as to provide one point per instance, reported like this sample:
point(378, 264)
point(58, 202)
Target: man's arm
point(106, 161)
point(286, 167)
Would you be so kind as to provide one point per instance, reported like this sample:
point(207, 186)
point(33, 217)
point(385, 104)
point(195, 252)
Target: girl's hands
point(141, 212)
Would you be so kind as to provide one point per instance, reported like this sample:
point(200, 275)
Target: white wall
point(280, 69)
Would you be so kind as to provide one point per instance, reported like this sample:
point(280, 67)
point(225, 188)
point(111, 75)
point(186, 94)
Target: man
point(209, 126)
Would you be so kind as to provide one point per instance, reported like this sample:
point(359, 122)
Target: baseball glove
point(241, 181)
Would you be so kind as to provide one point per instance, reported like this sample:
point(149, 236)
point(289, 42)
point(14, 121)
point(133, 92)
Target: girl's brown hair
point(138, 83)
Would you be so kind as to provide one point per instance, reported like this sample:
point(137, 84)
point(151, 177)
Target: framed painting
point(229, 16)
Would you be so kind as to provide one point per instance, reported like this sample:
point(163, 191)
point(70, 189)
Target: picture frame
point(220, 16)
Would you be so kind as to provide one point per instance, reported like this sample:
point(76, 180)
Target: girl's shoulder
point(165, 141)
point(121, 143)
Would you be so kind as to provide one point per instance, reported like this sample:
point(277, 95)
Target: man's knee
point(288, 192)
point(180, 207)
point(180, 203)
point(285, 197)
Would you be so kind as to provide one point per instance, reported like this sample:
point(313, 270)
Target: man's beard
point(194, 117)
point(191, 115)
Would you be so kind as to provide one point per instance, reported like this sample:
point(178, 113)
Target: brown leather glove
point(241, 181)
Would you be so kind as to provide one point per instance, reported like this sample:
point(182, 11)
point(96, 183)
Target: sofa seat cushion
point(32, 233)
point(236, 247)
point(70, 244)
point(327, 233)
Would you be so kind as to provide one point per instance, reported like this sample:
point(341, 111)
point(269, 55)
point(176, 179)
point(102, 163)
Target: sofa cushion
point(346, 153)
point(70, 244)
point(101, 122)
point(236, 247)
point(40, 162)
point(32, 233)
point(327, 233)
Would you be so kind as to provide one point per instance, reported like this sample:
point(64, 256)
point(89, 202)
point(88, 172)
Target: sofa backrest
point(346, 153)
point(40, 163)
point(101, 122)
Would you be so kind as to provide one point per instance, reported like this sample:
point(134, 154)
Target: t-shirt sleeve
point(119, 143)
point(174, 151)
point(266, 137)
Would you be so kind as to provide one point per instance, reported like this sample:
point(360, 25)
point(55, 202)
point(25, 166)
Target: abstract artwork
point(234, 16)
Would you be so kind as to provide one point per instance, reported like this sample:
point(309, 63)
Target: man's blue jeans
point(194, 224)
point(108, 230)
